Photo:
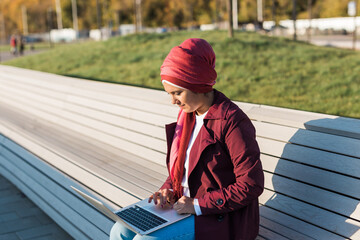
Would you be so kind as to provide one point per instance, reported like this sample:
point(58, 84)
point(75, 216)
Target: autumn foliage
point(41, 14)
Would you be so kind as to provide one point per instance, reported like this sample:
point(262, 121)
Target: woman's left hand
point(184, 205)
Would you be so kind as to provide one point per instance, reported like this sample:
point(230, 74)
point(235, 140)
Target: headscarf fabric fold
point(191, 65)
point(183, 131)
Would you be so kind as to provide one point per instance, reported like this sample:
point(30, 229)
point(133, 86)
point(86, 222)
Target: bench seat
point(109, 140)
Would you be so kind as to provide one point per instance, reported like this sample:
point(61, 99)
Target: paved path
point(21, 219)
point(5, 56)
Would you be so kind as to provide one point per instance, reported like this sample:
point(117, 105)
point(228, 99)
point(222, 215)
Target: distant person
point(21, 45)
point(13, 45)
point(214, 166)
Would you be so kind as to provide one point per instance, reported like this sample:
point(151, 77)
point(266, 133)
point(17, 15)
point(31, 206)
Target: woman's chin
point(186, 110)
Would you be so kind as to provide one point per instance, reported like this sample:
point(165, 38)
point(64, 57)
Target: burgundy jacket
point(225, 173)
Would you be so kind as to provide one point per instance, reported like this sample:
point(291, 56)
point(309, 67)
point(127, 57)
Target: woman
point(213, 158)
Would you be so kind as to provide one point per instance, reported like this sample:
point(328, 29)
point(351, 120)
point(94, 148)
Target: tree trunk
point(355, 27)
point(310, 18)
point(229, 10)
point(294, 18)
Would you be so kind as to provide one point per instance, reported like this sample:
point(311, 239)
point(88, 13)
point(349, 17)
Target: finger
point(173, 198)
point(182, 200)
point(176, 206)
point(163, 197)
point(155, 197)
point(179, 209)
point(170, 197)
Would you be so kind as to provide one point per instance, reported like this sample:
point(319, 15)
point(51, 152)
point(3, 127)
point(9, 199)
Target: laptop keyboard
point(141, 218)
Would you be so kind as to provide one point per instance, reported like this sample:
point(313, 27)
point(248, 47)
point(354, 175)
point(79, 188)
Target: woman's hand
point(163, 197)
point(184, 205)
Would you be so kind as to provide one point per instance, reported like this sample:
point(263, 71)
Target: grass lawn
point(251, 68)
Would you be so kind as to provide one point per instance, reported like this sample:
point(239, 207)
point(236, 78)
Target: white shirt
point(198, 125)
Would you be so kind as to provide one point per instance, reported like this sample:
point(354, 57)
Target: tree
point(247, 11)
point(332, 8)
point(154, 12)
point(123, 11)
point(230, 24)
point(36, 15)
point(167, 13)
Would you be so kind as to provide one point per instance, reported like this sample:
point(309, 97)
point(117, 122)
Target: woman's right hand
point(163, 197)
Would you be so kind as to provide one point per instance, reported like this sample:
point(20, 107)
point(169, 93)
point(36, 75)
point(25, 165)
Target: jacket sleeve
point(239, 138)
point(167, 184)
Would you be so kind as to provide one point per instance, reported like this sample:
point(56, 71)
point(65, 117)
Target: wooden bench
point(109, 140)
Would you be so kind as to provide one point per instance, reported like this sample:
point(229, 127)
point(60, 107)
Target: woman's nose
point(174, 100)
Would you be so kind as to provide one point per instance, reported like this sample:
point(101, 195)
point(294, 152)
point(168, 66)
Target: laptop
point(141, 217)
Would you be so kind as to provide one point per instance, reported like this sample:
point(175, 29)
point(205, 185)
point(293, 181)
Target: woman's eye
point(177, 93)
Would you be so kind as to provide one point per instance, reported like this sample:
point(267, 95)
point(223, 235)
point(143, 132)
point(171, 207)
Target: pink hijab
point(191, 65)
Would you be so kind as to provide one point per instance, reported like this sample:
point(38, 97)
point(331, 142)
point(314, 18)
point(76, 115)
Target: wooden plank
point(260, 238)
point(129, 179)
point(323, 141)
point(115, 164)
point(69, 94)
point(66, 93)
point(38, 128)
point(149, 105)
point(134, 148)
point(56, 196)
point(46, 231)
point(19, 103)
point(348, 127)
point(119, 121)
point(80, 173)
point(131, 147)
point(57, 115)
point(341, 184)
point(268, 234)
point(114, 155)
point(280, 230)
point(89, 149)
point(283, 116)
point(332, 222)
point(127, 111)
point(61, 107)
point(309, 156)
point(127, 182)
point(246, 107)
point(31, 94)
point(296, 225)
point(43, 78)
point(325, 199)
point(54, 175)
point(59, 219)
point(127, 108)
point(2, 139)
point(116, 132)
point(53, 180)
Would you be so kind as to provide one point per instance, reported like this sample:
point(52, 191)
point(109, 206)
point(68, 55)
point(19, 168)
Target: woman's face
point(187, 100)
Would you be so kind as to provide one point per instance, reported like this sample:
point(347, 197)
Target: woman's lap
point(184, 229)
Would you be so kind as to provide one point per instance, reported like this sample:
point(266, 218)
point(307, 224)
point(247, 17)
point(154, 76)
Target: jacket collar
point(219, 107)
